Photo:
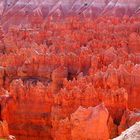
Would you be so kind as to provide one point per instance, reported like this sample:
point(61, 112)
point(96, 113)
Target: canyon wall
point(66, 77)
point(68, 72)
point(25, 12)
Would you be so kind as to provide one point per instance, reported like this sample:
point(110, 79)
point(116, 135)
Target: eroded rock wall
point(67, 77)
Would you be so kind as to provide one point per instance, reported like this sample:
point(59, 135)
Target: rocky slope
point(22, 12)
point(133, 133)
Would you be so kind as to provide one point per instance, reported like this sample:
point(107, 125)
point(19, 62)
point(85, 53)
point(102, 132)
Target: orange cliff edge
point(68, 72)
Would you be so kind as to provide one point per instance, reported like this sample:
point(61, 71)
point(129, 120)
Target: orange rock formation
point(70, 80)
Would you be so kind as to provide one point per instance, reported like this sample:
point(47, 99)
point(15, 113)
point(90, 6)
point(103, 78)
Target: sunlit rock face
point(69, 70)
point(87, 119)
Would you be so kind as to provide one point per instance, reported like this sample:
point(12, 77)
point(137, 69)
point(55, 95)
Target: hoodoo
point(69, 69)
